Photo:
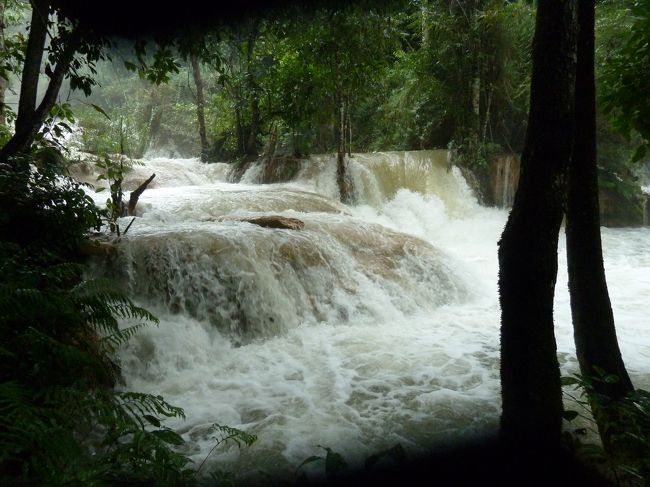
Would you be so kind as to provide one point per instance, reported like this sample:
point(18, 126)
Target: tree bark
point(344, 190)
point(29, 81)
point(251, 147)
point(3, 80)
point(593, 319)
point(32, 64)
point(251, 143)
point(532, 397)
point(348, 121)
point(200, 106)
point(30, 118)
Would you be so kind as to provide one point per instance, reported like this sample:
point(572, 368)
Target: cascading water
point(504, 179)
point(375, 324)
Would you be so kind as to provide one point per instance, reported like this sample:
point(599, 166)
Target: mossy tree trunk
point(593, 319)
point(531, 420)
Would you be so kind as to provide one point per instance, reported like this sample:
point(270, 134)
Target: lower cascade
point(365, 326)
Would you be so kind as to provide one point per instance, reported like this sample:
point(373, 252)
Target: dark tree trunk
point(30, 117)
point(32, 64)
point(530, 376)
point(348, 121)
point(341, 178)
point(251, 147)
point(239, 128)
point(3, 80)
point(200, 105)
point(251, 143)
point(593, 320)
point(29, 81)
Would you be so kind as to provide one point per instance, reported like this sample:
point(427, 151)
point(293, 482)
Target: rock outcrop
point(276, 221)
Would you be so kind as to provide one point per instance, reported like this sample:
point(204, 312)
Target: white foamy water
point(375, 324)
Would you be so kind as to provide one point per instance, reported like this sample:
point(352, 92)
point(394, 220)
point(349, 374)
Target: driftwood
point(276, 221)
point(135, 196)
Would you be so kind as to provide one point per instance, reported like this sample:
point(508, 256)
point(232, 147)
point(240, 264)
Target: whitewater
point(376, 324)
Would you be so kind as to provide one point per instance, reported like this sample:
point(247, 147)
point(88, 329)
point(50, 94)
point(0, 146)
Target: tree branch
point(135, 195)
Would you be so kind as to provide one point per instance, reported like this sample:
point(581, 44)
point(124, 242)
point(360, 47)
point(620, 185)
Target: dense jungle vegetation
point(421, 75)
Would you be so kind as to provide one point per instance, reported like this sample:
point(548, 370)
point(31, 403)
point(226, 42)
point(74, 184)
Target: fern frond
point(111, 343)
point(150, 403)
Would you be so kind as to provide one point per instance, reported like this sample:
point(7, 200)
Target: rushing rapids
point(375, 324)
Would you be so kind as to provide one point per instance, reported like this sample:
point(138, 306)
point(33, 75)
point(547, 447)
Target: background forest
point(418, 75)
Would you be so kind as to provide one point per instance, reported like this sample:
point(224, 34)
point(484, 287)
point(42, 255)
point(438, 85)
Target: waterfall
point(248, 281)
point(377, 177)
point(376, 324)
point(504, 171)
point(506, 197)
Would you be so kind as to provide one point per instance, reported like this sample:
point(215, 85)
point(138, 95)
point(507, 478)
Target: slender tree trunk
point(32, 64)
point(30, 117)
point(593, 319)
point(476, 104)
point(340, 155)
point(486, 116)
point(530, 377)
point(251, 147)
point(239, 128)
point(425, 20)
point(200, 105)
point(251, 143)
point(3, 80)
point(348, 121)
point(29, 80)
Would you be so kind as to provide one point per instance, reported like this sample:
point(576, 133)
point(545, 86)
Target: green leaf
point(152, 420)
point(334, 462)
point(100, 110)
point(639, 153)
point(169, 436)
point(569, 381)
point(600, 371)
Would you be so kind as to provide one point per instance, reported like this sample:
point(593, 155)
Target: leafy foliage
point(625, 76)
point(221, 435)
point(334, 465)
point(61, 420)
point(112, 171)
point(631, 430)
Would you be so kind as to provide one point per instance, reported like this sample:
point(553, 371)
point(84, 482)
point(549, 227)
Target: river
point(376, 324)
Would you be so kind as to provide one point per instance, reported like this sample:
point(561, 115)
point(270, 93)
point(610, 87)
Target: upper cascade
point(377, 177)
